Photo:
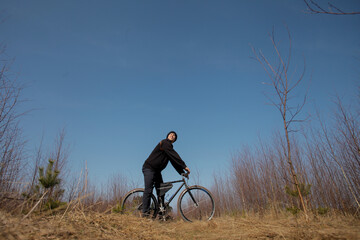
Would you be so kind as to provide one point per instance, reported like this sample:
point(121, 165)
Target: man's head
point(172, 136)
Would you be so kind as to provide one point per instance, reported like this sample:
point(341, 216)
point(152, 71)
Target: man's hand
point(187, 169)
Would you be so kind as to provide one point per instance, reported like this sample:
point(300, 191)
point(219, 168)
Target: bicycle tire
point(132, 203)
point(203, 209)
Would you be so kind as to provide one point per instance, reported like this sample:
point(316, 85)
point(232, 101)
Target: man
point(155, 163)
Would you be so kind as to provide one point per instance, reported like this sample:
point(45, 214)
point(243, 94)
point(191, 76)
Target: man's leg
point(149, 184)
point(158, 180)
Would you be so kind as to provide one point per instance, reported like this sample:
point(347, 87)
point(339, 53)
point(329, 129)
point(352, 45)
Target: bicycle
point(194, 203)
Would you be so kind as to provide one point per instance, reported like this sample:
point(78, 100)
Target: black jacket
point(161, 155)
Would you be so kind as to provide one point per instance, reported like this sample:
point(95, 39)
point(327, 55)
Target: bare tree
point(11, 144)
point(38, 159)
point(281, 80)
point(348, 128)
point(61, 151)
point(117, 187)
point(313, 7)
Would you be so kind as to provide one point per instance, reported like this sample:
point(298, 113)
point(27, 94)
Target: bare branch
point(313, 7)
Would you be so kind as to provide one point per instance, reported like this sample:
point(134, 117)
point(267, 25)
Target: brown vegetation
point(326, 158)
point(11, 142)
point(93, 225)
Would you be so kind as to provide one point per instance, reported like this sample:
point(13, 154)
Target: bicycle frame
point(177, 191)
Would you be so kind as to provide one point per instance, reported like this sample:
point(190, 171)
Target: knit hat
point(173, 133)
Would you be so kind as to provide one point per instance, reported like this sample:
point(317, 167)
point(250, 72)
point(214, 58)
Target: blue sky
point(119, 75)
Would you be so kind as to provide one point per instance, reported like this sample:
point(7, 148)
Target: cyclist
point(155, 163)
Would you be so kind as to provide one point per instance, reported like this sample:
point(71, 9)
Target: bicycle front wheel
point(196, 203)
point(133, 203)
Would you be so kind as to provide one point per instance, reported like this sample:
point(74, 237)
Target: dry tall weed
point(93, 225)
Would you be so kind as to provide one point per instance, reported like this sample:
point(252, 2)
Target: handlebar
point(186, 175)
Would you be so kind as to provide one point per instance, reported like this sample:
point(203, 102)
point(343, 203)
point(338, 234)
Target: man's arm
point(174, 158)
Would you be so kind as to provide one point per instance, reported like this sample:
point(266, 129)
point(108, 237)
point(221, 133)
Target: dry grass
point(92, 225)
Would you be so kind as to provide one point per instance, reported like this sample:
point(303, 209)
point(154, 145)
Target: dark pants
point(151, 179)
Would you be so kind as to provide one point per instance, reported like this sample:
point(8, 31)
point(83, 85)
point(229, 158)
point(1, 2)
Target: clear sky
point(119, 75)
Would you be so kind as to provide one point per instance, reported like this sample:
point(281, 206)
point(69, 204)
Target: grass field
point(92, 225)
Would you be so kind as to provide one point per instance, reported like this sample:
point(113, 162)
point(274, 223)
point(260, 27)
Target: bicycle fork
point(192, 197)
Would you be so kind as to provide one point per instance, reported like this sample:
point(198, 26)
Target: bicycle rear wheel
point(133, 203)
point(196, 203)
